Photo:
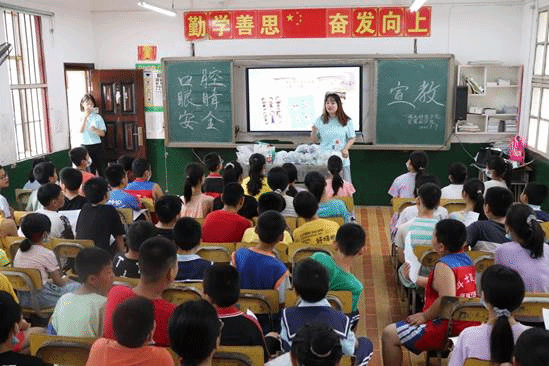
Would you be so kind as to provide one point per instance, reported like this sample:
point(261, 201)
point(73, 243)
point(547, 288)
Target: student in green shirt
point(349, 242)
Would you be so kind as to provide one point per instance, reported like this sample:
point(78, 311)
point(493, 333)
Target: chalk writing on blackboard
point(427, 92)
point(398, 94)
point(424, 121)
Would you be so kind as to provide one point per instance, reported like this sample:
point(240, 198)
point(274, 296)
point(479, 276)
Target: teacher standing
point(93, 128)
point(334, 131)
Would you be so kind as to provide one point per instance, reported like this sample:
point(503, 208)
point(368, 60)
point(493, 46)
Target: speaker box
point(461, 103)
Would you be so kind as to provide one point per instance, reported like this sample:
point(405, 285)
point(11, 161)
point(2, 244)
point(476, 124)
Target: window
point(538, 126)
point(28, 86)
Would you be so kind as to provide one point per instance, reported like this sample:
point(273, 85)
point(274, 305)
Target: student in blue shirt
point(334, 130)
point(117, 178)
point(93, 128)
point(316, 184)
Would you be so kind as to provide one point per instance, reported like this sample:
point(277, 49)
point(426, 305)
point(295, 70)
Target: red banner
point(308, 23)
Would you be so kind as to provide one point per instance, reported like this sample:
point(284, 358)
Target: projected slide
point(291, 99)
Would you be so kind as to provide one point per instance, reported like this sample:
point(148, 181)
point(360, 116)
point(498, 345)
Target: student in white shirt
point(457, 173)
point(473, 195)
point(52, 198)
point(4, 183)
point(499, 172)
point(404, 185)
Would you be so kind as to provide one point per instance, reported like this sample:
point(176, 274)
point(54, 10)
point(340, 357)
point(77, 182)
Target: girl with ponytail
point(527, 253)
point(256, 182)
point(195, 203)
point(404, 185)
point(327, 207)
point(499, 173)
point(502, 293)
point(336, 186)
point(32, 254)
point(473, 195)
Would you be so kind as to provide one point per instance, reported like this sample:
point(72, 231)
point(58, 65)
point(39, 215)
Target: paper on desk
point(411, 258)
point(546, 318)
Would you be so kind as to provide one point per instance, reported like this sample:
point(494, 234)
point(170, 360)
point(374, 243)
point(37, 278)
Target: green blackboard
point(412, 101)
point(198, 102)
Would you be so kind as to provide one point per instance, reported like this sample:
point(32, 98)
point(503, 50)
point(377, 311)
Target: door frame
point(71, 66)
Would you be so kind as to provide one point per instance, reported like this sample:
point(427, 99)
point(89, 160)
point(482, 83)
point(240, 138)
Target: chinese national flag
point(304, 23)
point(392, 22)
point(418, 24)
point(339, 22)
point(220, 24)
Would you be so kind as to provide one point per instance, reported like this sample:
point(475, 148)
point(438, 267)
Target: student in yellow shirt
point(267, 201)
point(255, 184)
point(315, 231)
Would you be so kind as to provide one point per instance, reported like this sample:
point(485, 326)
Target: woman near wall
point(93, 128)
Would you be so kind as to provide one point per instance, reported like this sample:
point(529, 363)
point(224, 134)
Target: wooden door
point(120, 97)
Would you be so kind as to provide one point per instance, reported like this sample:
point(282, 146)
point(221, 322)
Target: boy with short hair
point(97, 220)
point(52, 199)
point(258, 266)
point(126, 162)
point(158, 268)
point(80, 313)
point(125, 264)
point(213, 185)
point(187, 234)
point(453, 275)
point(533, 195)
point(226, 225)
point(485, 235)
point(167, 209)
point(133, 323)
point(71, 181)
point(222, 289)
point(315, 231)
point(81, 160)
point(311, 283)
point(142, 186)
point(43, 173)
point(349, 242)
point(267, 201)
point(457, 174)
point(118, 180)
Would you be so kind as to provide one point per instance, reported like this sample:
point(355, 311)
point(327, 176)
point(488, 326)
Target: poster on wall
point(154, 108)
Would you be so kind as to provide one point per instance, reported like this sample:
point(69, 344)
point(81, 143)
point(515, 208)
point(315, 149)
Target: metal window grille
point(28, 85)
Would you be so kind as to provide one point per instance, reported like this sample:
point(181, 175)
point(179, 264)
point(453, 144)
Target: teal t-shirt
point(88, 137)
point(333, 136)
point(334, 208)
point(339, 279)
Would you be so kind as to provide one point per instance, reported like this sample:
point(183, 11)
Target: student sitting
point(81, 160)
point(71, 181)
point(487, 234)
point(10, 324)
point(404, 185)
point(533, 195)
point(222, 289)
point(473, 195)
point(32, 254)
point(255, 184)
point(421, 227)
point(43, 173)
point(311, 283)
point(32, 183)
point(531, 348)
point(195, 203)
point(80, 314)
point(98, 221)
point(158, 267)
point(314, 231)
point(291, 170)
point(267, 201)
point(327, 207)
point(424, 331)
point(187, 234)
point(258, 266)
point(457, 173)
point(226, 225)
point(502, 293)
point(52, 199)
point(527, 253)
point(194, 332)
point(213, 185)
point(5, 209)
point(125, 265)
point(335, 185)
point(233, 174)
point(125, 161)
point(349, 243)
point(277, 178)
point(118, 180)
point(167, 209)
point(133, 324)
point(498, 171)
point(142, 186)
point(316, 344)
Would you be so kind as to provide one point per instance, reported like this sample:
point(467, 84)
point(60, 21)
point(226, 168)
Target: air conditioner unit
point(5, 49)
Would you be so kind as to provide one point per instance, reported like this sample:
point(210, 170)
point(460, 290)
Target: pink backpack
point(516, 149)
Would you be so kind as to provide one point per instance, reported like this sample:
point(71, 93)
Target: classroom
point(487, 60)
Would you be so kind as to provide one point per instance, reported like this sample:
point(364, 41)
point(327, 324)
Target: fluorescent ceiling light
point(156, 8)
point(416, 5)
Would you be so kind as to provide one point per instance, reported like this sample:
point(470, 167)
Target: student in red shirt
point(226, 225)
point(82, 161)
point(141, 185)
point(158, 268)
point(213, 185)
